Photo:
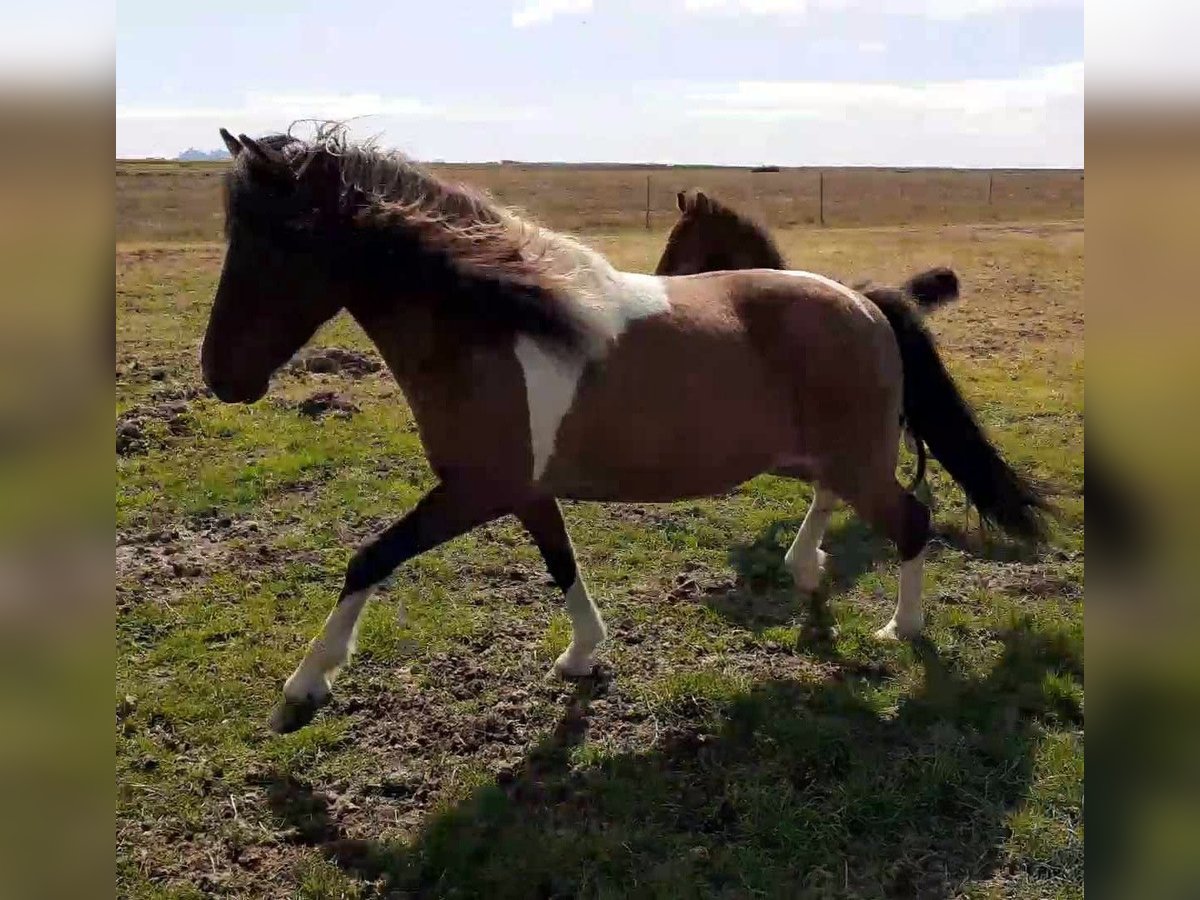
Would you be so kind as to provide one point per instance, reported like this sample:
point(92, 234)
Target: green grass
point(728, 751)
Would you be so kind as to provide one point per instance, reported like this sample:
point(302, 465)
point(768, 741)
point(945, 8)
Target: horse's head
point(275, 289)
point(711, 237)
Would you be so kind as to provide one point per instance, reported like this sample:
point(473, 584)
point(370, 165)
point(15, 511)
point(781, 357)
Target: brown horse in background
point(710, 236)
point(537, 371)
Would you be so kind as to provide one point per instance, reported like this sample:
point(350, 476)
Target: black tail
point(933, 287)
point(937, 415)
point(929, 289)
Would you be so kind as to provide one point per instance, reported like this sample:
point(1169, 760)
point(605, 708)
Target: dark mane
point(751, 228)
point(378, 216)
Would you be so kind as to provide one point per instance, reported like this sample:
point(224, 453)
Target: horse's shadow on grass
point(791, 787)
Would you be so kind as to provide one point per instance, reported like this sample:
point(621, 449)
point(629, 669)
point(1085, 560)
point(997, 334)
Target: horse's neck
point(408, 336)
point(420, 341)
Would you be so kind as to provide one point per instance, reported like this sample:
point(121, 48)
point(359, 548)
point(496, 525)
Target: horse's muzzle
point(229, 391)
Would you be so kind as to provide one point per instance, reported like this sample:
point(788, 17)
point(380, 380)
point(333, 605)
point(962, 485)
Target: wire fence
point(582, 197)
point(174, 201)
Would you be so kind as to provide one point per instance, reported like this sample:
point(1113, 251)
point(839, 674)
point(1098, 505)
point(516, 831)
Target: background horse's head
point(711, 237)
point(275, 291)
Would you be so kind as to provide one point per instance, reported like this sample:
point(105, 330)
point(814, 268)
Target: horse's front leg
point(443, 514)
point(543, 520)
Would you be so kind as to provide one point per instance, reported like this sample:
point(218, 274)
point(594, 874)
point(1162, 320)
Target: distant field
point(728, 749)
point(182, 201)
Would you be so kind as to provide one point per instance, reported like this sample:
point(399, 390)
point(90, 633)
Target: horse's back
point(807, 319)
point(742, 372)
point(829, 346)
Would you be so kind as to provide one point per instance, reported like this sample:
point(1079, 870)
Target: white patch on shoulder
point(611, 301)
point(550, 382)
point(614, 300)
point(837, 286)
point(637, 296)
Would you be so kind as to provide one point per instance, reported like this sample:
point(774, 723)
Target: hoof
point(893, 631)
point(572, 664)
point(291, 715)
point(807, 575)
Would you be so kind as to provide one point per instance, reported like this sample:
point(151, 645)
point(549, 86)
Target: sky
point(973, 83)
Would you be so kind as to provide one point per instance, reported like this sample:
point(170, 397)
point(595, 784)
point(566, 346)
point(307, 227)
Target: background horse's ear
point(231, 143)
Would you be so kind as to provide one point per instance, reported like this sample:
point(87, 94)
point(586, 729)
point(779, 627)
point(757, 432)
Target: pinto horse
point(537, 371)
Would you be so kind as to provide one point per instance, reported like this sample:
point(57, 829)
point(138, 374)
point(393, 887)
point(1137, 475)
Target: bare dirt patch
point(143, 428)
point(327, 403)
point(161, 555)
point(160, 563)
point(335, 361)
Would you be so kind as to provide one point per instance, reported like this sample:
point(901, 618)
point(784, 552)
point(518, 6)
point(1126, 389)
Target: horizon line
point(665, 165)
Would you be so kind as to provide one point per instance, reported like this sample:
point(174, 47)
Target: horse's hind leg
point(543, 520)
point(905, 520)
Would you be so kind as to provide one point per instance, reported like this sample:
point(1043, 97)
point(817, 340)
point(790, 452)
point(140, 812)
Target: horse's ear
point(681, 201)
point(263, 154)
point(231, 143)
point(703, 205)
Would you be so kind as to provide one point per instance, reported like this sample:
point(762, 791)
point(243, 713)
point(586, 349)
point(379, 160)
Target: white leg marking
point(805, 558)
point(587, 631)
point(550, 382)
point(329, 651)
point(908, 620)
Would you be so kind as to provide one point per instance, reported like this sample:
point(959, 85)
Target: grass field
point(182, 201)
point(727, 749)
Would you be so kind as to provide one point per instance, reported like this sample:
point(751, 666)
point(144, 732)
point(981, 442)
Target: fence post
point(647, 202)
point(991, 175)
point(821, 196)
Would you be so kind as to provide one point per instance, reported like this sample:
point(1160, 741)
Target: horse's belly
point(660, 444)
point(650, 483)
point(683, 405)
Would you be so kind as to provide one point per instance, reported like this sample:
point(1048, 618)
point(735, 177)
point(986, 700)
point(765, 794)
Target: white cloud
point(752, 7)
point(1035, 119)
point(871, 46)
point(844, 100)
point(929, 9)
point(538, 12)
point(285, 108)
point(962, 9)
